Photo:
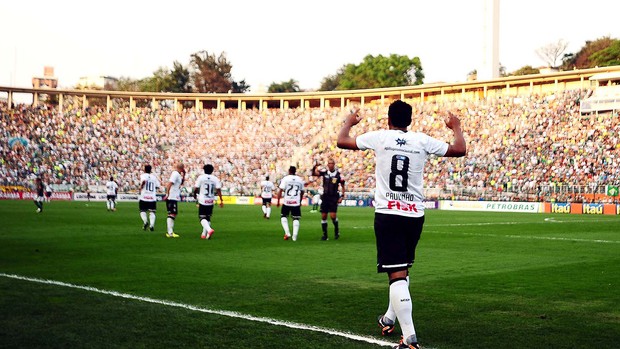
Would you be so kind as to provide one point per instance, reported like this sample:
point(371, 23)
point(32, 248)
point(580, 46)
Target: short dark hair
point(111, 178)
point(267, 177)
point(147, 168)
point(292, 170)
point(208, 168)
point(399, 114)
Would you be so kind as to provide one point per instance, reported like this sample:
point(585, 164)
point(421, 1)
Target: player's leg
point(284, 221)
point(204, 215)
point(324, 211)
point(397, 238)
point(334, 218)
point(268, 209)
point(39, 204)
point(296, 213)
point(152, 209)
point(143, 216)
point(171, 206)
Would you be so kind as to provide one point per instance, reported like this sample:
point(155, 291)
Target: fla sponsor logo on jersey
point(395, 202)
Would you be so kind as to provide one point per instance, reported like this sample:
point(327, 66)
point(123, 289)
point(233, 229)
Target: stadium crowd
point(518, 147)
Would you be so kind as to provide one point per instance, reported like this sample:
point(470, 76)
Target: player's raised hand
point(354, 117)
point(452, 121)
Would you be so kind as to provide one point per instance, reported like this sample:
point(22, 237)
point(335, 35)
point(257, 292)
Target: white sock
point(390, 314)
point(108, 204)
point(113, 204)
point(401, 302)
point(268, 211)
point(143, 216)
point(264, 209)
point(284, 222)
point(295, 229)
point(205, 226)
point(170, 223)
point(152, 218)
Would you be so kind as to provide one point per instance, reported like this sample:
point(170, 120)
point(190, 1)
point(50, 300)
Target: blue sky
point(275, 40)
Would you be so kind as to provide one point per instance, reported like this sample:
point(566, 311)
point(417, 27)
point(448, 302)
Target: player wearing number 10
point(399, 210)
point(147, 201)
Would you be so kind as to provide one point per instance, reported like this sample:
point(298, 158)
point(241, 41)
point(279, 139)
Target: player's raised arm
point(345, 141)
point(458, 148)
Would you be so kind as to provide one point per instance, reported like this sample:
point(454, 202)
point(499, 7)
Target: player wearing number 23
point(399, 210)
point(292, 186)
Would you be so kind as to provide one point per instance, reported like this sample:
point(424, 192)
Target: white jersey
point(175, 189)
point(267, 189)
point(207, 185)
point(292, 186)
point(111, 187)
point(149, 190)
point(399, 167)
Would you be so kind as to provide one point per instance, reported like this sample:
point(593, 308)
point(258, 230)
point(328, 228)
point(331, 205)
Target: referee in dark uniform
point(331, 197)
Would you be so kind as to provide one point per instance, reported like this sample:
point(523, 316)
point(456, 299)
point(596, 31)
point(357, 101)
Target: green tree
point(376, 72)
point(240, 86)
point(126, 83)
point(284, 86)
point(180, 78)
point(583, 59)
point(210, 73)
point(525, 70)
point(161, 81)
point(331, 82)
point(607, 56)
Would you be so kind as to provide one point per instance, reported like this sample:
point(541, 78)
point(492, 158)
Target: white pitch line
point(206, 310)
point(530, 237)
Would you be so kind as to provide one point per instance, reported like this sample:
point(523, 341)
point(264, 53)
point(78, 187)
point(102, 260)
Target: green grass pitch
point(480, 280)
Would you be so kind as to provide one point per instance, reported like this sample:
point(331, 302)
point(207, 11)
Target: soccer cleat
point(386, 328)
point(38, 210)
point(404, 345)
point(336, 236)
point(324, 238)
point(286, 237)
point(145, 226)
point(211, 231)
point(152, 228)
point(173, 235)
point(264, 215)
point(203, 236)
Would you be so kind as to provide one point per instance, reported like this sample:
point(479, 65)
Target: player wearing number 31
point(206, 189)
point(399, 210)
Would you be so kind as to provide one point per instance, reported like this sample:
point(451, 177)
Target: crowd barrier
point(480, 206)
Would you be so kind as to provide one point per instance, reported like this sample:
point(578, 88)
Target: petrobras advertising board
point(491, 206)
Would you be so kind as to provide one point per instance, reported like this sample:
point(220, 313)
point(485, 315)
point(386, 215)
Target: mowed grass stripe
point(231, 314)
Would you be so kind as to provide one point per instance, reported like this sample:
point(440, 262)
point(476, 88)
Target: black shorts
point(172, 207)
point(205, 212)
point(329, 204)
point(48, 194)
point(147, 206)
point(397, 238)
point(266, 201)
point(111, 197)
point(294, 211)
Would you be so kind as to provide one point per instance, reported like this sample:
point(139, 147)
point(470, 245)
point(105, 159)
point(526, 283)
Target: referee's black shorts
point(397, 238)
point(329, 203)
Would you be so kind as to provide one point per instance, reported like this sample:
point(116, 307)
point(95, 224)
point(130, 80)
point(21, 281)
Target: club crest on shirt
point(400, 142)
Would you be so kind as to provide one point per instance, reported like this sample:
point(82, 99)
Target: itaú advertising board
point(491, 206)
point(578, 208)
